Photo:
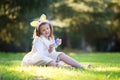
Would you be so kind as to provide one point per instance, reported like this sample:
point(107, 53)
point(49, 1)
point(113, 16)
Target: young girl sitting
point(43, 51)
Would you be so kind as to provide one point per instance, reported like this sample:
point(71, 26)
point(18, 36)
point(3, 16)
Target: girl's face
point(45, 30)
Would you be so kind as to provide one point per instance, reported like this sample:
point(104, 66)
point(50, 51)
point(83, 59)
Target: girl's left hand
point(51, 47)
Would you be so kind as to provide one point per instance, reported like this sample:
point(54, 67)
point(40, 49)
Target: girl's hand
point(51, 47)
point(58, 42)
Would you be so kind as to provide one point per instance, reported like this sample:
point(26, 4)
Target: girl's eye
point(43, 30)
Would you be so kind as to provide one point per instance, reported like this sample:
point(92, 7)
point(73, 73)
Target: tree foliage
point(15, 17)
point(90, 22)
point(81, 23)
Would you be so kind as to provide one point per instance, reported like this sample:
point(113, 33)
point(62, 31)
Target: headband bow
point(36, 23)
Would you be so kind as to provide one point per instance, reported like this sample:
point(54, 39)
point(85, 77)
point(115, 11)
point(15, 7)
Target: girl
point(43, 49)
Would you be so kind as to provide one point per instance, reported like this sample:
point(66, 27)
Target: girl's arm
point(38, 45)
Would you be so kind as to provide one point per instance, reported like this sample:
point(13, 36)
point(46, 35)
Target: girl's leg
point(53, 63)
point(68, 60)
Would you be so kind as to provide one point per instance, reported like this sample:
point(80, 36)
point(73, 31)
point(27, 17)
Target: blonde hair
point(38, 33)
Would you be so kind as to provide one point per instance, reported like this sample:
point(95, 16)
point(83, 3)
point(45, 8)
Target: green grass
point(104, 67)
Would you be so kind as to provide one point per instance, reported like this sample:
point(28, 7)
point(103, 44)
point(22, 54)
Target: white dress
point(39, 54)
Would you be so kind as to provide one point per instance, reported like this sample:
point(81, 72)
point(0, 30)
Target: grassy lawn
point(104, 67)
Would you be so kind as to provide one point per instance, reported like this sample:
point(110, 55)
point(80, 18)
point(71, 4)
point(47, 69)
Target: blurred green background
point(88, 25)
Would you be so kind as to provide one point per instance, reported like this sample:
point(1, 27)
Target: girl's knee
point(51, 63)
point(62, 56)
point(62, 53)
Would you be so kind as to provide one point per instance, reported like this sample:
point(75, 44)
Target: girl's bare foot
point(89, 66)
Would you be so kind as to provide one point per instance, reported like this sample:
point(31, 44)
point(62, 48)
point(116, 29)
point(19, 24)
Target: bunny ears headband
point(38, 22)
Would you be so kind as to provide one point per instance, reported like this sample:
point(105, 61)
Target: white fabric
point(39, 54)
point(40, 22)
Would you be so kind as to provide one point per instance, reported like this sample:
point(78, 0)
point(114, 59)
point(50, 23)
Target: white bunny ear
point(42, 17)
point(34, 23)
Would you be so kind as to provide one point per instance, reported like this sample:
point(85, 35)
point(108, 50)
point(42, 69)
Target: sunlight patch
point(107, 69)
